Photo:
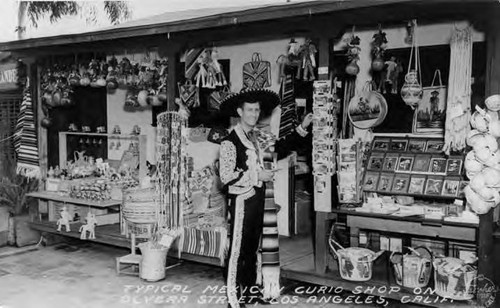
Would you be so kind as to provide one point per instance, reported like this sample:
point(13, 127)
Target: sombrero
point(267, 98)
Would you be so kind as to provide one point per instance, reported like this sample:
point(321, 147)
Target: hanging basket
point(412, 91)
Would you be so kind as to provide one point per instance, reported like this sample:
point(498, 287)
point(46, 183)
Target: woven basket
point(139, 205)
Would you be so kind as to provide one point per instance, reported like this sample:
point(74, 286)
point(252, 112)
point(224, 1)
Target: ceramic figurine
point(64, 220)
point(89, 227)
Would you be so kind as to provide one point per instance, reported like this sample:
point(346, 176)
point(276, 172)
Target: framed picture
point(375, 163)
point(421, 164)
point(401, 183)
point(380, 145)
point(399, 145)
point(385, 182)
point(434, 146)
point(371, 181)
point(430, 114)
point(417, 183)
point(450, 187)
point(390, 162)
point(454, 166)
point(434, 186)
point(461, 187)
point(417, 145)
point(404, 164)
point(438, 166)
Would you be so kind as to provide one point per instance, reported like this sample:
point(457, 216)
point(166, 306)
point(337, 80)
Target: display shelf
point(141, 139)
point(440, 197)
point(110, 235)
point(56, 197)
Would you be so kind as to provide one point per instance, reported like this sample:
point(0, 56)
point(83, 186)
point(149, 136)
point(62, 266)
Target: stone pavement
point(82, 275)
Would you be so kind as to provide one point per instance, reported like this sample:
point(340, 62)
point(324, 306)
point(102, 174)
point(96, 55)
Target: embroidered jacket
point(241, 159)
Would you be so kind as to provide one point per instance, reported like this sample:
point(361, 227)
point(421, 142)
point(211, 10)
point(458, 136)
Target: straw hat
point(267, 98)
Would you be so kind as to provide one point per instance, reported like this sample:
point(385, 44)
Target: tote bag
point(257, 73)
point(216, 97)
point(430, 113)
point(189, 94)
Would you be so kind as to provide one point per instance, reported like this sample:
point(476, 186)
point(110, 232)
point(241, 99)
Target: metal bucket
point(154, 259)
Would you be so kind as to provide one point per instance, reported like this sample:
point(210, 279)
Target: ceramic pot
point(56, 98)
point(412, 91)
point(46, 122)
point(352, 68)
point(142, 98)
point(154, 100)
point(378, 64)
point(47, 98)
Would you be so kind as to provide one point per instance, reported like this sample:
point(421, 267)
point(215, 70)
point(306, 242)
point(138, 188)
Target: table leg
point(320, 249)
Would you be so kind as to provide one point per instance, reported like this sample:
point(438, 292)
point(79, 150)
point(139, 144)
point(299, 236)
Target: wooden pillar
point(173, 55)
point(486, 259)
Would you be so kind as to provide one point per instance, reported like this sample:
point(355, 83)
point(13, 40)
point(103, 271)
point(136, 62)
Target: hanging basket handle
point(437, 73)
point(256, 57)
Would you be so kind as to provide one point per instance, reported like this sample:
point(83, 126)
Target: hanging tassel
point(270, 282)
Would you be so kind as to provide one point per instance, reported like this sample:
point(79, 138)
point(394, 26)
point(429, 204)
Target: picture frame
point(450, 187)
point(417, 184)
point(401, 183)
point(421, 164)
point(376, 162)
point(370, 181)
point(385, 182)
point(454, 166)
point(417, 145)
point(405, 164)
point(434, 186)
point(463, 184)
point(390, 162)
point(380, 145)
point(399, 145)
point(438, 165)
point(434, 146)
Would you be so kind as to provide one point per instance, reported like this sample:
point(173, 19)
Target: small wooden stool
point(129, 264)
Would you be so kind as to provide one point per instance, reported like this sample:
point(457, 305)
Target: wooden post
point(173, 50)
point(486, 259)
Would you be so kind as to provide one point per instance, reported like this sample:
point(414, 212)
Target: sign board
point(8, 76)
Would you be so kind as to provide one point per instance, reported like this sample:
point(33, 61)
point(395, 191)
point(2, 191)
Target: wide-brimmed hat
point(268, 101)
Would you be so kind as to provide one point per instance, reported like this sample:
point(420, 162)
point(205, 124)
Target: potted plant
point(14, 209)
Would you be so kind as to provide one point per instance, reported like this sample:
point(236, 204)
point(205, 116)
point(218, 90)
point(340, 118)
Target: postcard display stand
point(324, 142)
point(413, 167)
point(349, 170)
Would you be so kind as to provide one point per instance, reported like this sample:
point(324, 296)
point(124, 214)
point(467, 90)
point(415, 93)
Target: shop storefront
point(129, 131)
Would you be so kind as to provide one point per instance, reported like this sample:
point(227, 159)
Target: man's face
point(249, 113)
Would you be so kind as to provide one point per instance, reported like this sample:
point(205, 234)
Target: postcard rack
point(349, 173)
point(413, 167)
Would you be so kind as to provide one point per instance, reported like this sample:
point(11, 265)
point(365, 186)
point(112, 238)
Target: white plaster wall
point(127, 120)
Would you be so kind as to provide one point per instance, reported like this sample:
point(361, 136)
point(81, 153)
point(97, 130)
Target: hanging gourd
point(353, 51)
point(412, 91)
point(379, 44)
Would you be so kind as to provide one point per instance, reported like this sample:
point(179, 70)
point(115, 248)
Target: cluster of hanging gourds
point(482, 164)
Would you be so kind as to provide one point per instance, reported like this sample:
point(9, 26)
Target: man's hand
point(266, 175)
point(307, 120)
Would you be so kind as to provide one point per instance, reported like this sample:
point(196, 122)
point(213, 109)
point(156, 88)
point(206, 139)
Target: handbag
point(189, 94)
point(430, 114)
point(198, 134)
point(216, 97)
point(257, 73)
point(216, 135)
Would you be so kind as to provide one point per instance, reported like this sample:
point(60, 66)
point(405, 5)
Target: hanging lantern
point(412, 91)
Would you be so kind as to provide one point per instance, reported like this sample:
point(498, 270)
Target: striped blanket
point(208, 243)
point(25, 139)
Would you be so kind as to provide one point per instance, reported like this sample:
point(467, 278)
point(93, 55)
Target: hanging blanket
point(288, 120)
point(25, 140)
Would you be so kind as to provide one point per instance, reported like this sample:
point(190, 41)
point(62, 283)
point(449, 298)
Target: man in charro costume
point(242, 170)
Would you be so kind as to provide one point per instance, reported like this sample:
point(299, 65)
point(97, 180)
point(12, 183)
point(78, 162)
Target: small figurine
point(308, 60)
point(89, 227)
point(64, 220)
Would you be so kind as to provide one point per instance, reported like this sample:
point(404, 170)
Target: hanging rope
point(459, 90)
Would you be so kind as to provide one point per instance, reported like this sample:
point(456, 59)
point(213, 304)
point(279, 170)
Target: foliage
point(117, 11)
point(13, 191)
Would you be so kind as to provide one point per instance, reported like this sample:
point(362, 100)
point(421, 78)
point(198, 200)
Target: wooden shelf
point(44, 195)
point(120, 136)
point(110, 235)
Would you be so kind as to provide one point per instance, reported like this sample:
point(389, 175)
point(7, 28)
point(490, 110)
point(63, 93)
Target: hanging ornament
point(353, 52)
point(412, 91)
point(379, 44)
